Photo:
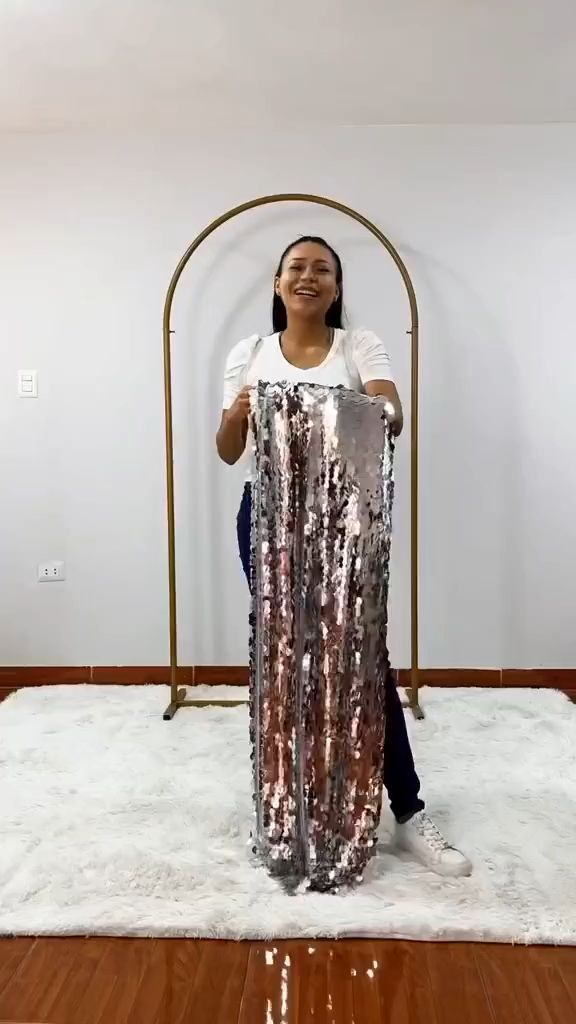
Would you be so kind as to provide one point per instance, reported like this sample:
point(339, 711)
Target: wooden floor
point(180, 981)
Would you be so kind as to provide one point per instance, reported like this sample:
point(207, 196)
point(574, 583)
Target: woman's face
point(307, 281)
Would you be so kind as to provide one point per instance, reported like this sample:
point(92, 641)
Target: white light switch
point(27, 384)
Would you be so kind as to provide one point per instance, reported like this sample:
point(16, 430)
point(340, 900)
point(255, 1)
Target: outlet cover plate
point(51, 572)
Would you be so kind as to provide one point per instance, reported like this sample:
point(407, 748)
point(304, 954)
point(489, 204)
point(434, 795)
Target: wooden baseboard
point(210, 675)
point(453, 677)
point(16, 677)
point(549, 678)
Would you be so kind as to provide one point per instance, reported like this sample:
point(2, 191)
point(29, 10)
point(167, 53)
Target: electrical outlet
point(51, 572)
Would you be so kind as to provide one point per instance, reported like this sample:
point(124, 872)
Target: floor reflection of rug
point(116, 822)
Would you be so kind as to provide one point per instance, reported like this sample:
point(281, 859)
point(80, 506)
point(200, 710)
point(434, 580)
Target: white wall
point(91, 229)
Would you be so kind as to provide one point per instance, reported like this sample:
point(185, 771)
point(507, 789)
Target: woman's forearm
point(231, 439)
point(386, 389)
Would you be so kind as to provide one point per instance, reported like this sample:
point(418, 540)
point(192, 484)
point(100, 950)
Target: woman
point(310, 345)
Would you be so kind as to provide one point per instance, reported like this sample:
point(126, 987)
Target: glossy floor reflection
point(321, 981)
point(176, 981)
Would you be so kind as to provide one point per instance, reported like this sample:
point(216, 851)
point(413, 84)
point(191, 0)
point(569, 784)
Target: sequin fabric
point(321, 528)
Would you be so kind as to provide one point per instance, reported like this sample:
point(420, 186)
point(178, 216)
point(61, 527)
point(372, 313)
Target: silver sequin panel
point(321, 526)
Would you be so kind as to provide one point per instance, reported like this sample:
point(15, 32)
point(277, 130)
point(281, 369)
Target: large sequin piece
point(321, 525)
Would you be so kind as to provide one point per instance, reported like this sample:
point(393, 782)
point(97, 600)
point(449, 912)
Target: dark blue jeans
point(400, 778)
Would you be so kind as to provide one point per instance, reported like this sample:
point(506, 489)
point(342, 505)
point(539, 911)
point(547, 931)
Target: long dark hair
point(335, 313)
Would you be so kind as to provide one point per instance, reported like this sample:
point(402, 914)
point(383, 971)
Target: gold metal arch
point(178, 697)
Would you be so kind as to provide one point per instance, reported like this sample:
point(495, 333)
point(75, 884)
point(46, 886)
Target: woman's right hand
point(239, 411)
point(233, 431)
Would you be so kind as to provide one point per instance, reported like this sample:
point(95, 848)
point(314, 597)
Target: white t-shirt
point(355, 358)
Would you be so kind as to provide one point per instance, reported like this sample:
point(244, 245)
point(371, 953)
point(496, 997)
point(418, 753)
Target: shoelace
point(426, 828)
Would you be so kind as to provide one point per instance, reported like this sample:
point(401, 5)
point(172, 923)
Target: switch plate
point(27, 384)
point(51, 572)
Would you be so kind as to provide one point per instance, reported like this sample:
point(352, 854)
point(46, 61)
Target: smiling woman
point(309, 345)
point(309, 270)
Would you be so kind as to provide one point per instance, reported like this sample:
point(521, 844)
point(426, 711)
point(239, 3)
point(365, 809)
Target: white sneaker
point(421, 837)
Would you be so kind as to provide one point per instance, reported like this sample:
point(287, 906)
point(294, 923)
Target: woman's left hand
point(386, 389)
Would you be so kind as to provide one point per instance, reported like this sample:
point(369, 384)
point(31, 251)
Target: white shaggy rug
point(115, 822)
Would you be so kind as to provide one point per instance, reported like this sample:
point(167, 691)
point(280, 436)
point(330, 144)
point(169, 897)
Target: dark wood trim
point(554, 678)
point(453, 676)
point(39, 675)
point(212, 675)
point(138, 675)
point(16, 677)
